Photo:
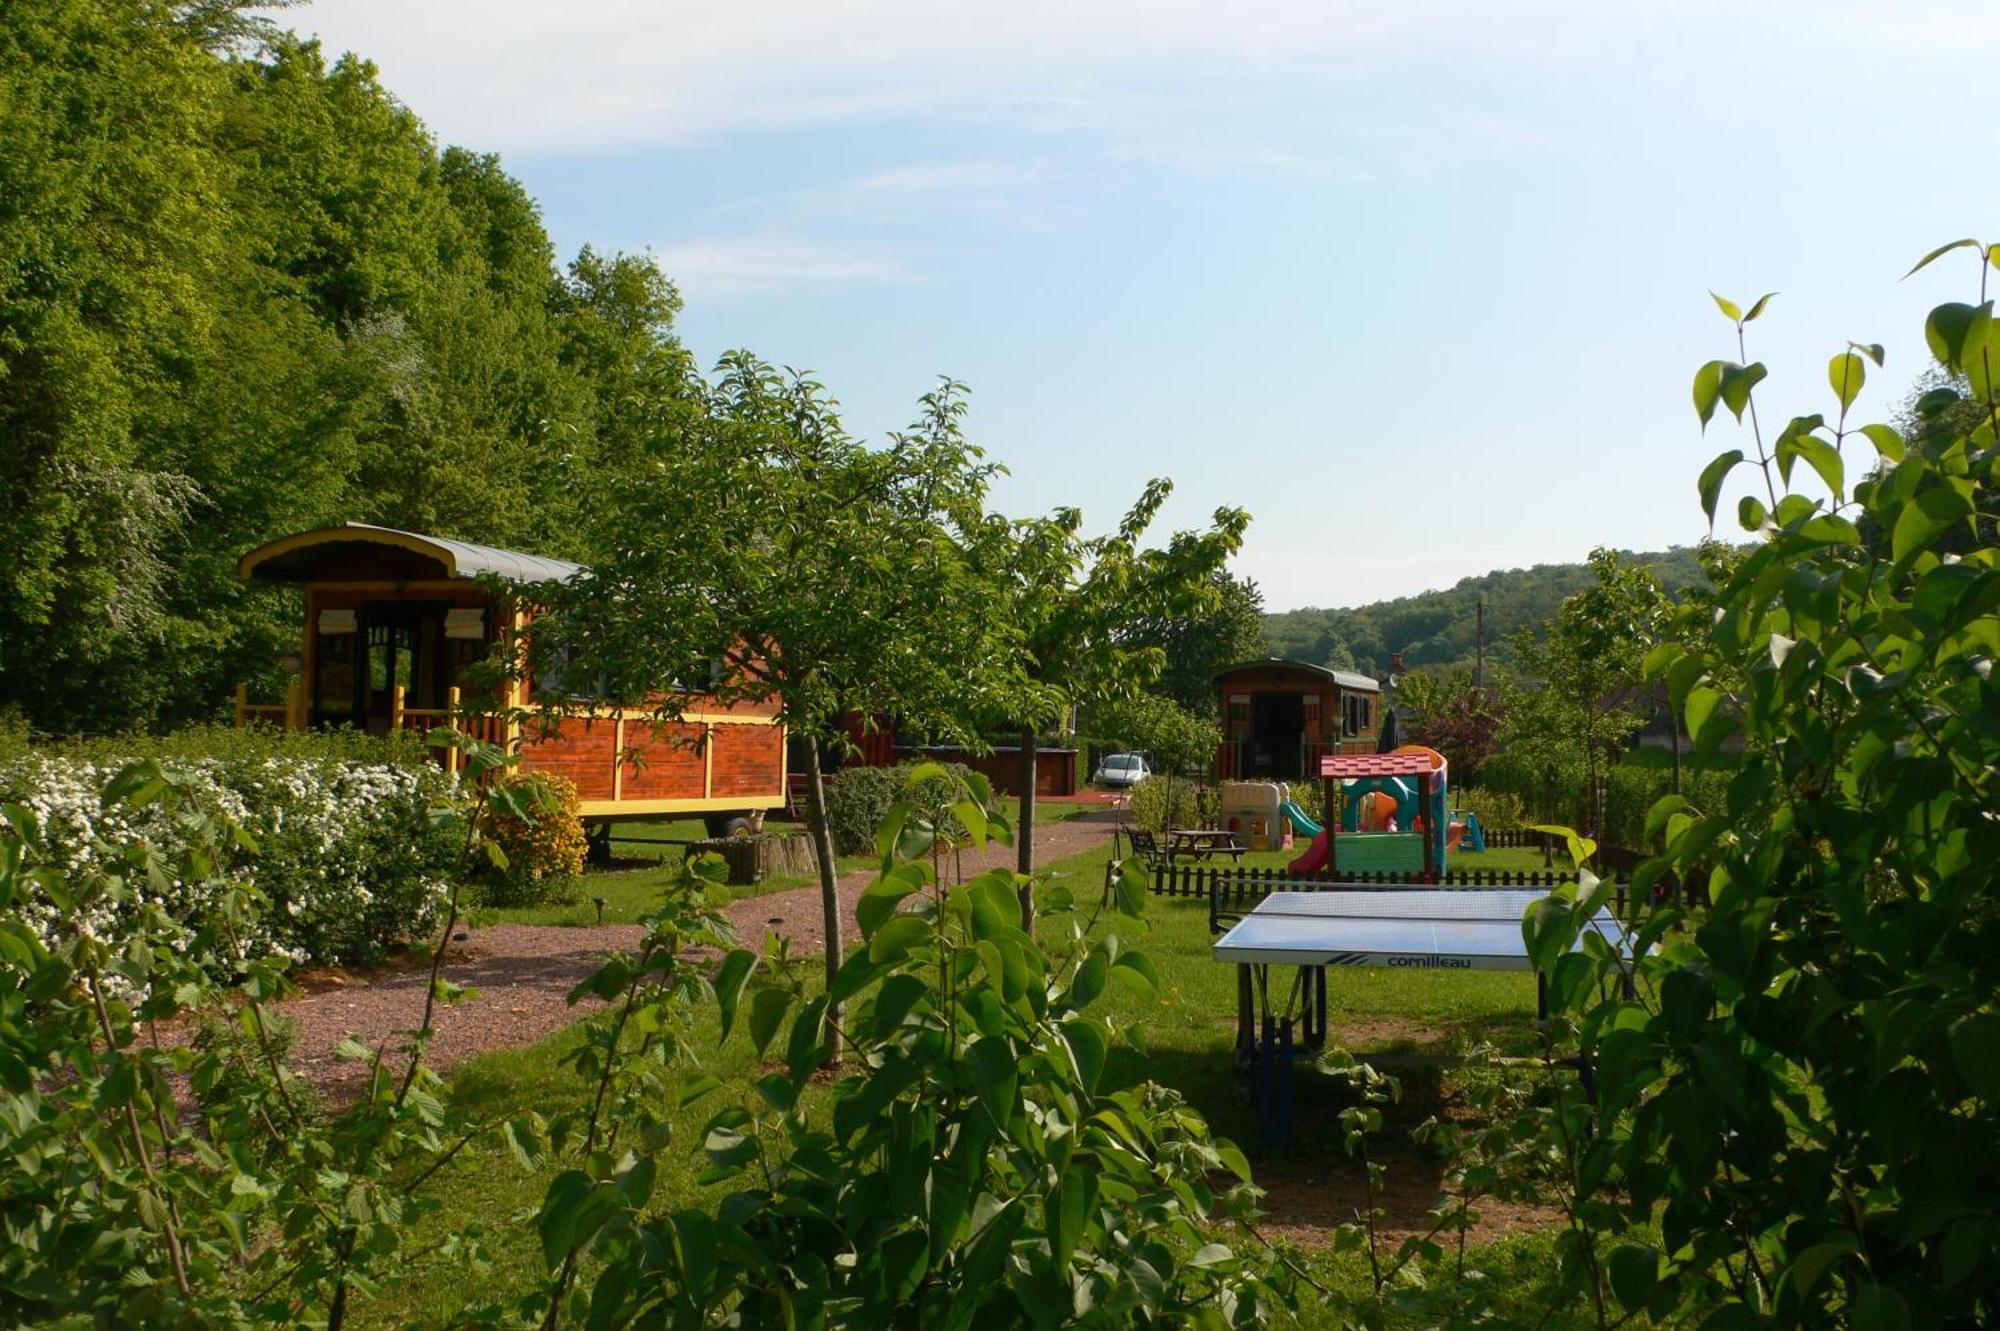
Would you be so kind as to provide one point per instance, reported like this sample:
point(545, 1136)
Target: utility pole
point(1479, 661)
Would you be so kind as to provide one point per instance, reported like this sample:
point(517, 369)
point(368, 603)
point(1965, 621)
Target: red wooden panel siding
point(580, 749)
point(671, 763)
point(749, 760)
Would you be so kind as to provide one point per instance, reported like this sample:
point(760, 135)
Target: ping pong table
point(1353, 925)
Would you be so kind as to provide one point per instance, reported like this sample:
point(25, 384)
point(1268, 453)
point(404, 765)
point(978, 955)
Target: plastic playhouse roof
point(402, 554)
point(1346, 679)
point(1348, 766)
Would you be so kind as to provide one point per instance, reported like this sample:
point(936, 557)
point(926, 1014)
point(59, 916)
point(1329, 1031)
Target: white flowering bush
point(347, 854)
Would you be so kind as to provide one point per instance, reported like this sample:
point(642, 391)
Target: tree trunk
point(1024, 833)
point(829, 885)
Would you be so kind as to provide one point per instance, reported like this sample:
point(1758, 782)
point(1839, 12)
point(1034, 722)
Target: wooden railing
point(293, 715)
point(287, 715)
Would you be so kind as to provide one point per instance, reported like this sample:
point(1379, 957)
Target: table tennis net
point(1403, 907)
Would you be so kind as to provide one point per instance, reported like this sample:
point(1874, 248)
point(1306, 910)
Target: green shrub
point(347, 853)
point(1498, 810)
point(858, 797)
point(1194, 804)
point(542, 835)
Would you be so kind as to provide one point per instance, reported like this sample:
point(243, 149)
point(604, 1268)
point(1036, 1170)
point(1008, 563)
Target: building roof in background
point(1346, 679)
point(400, 555)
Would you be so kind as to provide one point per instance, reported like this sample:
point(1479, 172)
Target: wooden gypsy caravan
point(1279, 718)
point(395, 619)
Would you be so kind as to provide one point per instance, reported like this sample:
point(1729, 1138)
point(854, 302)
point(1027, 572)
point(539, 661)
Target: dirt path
point(524, 973)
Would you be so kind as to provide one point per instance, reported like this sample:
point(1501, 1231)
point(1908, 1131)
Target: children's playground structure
point(1394, 815)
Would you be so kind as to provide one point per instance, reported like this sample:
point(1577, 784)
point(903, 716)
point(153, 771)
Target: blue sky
point(1420, 285)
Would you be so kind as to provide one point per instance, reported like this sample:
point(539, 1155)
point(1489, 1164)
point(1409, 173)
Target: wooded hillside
point(243, 291)
point(1440, 628)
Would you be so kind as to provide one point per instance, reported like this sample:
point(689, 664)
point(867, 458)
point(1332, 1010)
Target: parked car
point(1121, 769)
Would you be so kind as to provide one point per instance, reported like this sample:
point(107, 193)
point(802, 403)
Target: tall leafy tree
point(1588, 671)
point(821, 574)
point(1196, 647)
point(1449, 712)
point(242, 292)
point(1077, 600)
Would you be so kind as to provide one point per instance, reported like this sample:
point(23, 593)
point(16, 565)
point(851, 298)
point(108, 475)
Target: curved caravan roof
point(1346, 679)
point(362, 552)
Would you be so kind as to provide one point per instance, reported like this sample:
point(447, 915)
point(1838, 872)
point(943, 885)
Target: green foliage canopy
point(242, 293)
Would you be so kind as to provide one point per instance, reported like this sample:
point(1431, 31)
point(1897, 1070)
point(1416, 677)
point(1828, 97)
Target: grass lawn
point(631, 885)
point(1182, 1038)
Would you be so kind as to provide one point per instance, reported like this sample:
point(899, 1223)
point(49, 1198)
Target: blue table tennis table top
point(1424, 929)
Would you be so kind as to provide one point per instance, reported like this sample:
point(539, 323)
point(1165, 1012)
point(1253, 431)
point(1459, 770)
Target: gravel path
point(524, 972)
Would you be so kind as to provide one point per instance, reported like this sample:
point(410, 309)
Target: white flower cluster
point(347, 853)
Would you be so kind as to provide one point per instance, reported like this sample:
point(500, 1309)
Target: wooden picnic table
point(1201, 843)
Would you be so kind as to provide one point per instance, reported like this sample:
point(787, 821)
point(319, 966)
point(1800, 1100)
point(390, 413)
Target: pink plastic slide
point(1315, 857)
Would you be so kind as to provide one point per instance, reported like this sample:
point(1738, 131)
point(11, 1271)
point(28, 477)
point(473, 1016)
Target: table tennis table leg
point(1286, 1082)
point(1312, 1006)
point(1246, 1019)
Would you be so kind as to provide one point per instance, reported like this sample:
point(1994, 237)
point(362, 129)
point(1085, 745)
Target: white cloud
point(526, 74)
point(748, 265)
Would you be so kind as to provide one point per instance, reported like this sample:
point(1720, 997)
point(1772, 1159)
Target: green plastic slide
point(1301, 821)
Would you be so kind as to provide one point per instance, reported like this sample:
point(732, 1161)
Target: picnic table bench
point(1202, 843)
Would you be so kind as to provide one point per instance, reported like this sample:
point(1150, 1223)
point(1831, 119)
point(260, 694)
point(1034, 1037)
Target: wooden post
point(451, 755)
point(618, 758)
point(395, 709)
point(242, 705)
point(295, 703)
point(1430, 832)
point(1332, 832)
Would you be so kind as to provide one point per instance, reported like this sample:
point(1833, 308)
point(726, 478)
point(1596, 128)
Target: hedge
point(347, 852)
point(858, 797)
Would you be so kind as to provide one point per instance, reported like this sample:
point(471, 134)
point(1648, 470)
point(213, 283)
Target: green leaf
point(1758, 308)
point(1975, 1047)
point(767, 1013)
point(1810, 1265)
point(1090, 979)
point(1707, 390)
point(1980, 356)
point(1846, 373)
point(880, 898)
point(1751, 513)
point(1729, 308)
point(1877, 1308)
point(1946, 329)
point(990, 1061)
point(1737, 383)
point(1887, 442)
point(1939, 253)
point(1712, 477)
point(1924, 518)
point(730, 977)
point(525, 1140)
point(1823, 458)
point(1634, 1273)
point(1087, 1045)
point(890, 830)
point(1068, 1213)
point(898, 936)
